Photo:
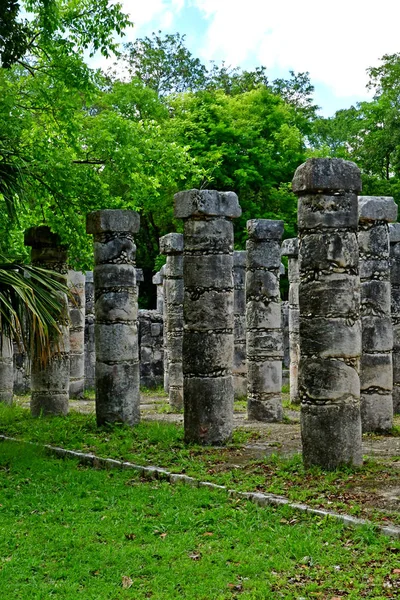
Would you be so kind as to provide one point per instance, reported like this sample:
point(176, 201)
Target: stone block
point(53, 379)
point(175, 374)
point(77, 317)
point(208, 412)
point(260, 314)
point(172, 243)
point(43, 403)
point(174, 266)
point(374, 241)
point(376, 412)
point(290, 248)
point(374, 268)
point(156, 329)
point(239, 302)
point(197, 203)
point(327, 212)
point(265, 344)
point(207, 354)
point(394, 233)
point(328, 380)
point(293, 271)
point(115, 276)
point(395, 300)
point(265, 255)
point(265, 407)
point(239, 259)
point(210, 310)
point(139, 275)
point(239, 328)
point(174, 291)
point(110, 220)
point(318, 175)
point(212, 236)
point(176, 397)
point(330, 337)
point(117, 393)
point(117, 250)
point(209, 271)
point(117, 306)
point(377, 208)
point(262, 283)
point(264, 229)
point(336, 294)
point(158, 278)
point(375, 297)
point(329, 251)
point(293, 295)
point(331, 435)
point(377, 334)
point(116, 342)
point(376, 371)
point(396, 400)
point(265, 376)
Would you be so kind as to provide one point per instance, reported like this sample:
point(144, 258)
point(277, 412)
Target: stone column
point(290, 248)
point(394, 233)
point(77, 334)
point(239, 315)
point(208, 313)
point(172, 246)
point(263, 315)
point(90, 352)
point(22, 371)
point(329, 300)
point(376, 371)
point(50, 381)
point(6, 370)
point(158, 280)
point(116, 312)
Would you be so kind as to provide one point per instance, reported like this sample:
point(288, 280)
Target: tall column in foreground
point(116, 312)
point(394, 232)
point(208, 313)
point(172, 246)
point(376, 371)
point(290, 248)
point(50, 382)
point(76, 282)
point(239, 315)
point(329, 299)
point(263, 315)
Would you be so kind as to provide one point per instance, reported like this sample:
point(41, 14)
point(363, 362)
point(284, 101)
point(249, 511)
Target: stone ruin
point(220, 329)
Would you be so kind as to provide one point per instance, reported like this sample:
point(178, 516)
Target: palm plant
point(32, 306)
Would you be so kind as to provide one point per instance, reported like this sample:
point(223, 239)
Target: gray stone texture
point(117, 375)
point(208, 345)
point(158, 280)
point(90, 351)
point(151, 342)
point(264, 320)
point(22, 371)
point(76, 282)
point(290, 248)
point(376, 370)
point(50, 381)
point(6, 370)
point(394, 233)
point(172, 246)
point(329, 332)
point(239, 315)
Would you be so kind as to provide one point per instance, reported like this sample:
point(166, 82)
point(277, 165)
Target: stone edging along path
point(162, 474)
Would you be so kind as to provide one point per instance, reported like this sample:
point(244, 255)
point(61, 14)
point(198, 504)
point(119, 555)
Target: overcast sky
point(335, 41)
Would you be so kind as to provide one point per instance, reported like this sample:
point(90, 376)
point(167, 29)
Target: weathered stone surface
point(50, 382)
point(377, 372)
point(263, 319)
point(318, 175)
point(172, 243)
point(6, 371)
point(208, 355)
point(90, 353)
point(114, 221)
point(377, 208)
point(210, 203)
point(394, 233)
point(329, 328)
point(151, 351)
point(374, 241)
point(76, 282)
point(290, 248)
point(377, 412)
point(375, 297)
point(285, 333)
point(377, 334)
point(116, 330)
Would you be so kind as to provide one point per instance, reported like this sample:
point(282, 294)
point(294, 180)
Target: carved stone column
point(90, 351)
point(239, 314)
point(290, 248)
point(76, 282)
point(116, 312)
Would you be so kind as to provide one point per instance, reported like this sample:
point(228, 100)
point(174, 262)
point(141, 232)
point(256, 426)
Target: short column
point(172, 246)
point(263, 315)
point(376, 371)
point(116, 313)
point(90, 351)
point(50, 381)
point(239, 315)
point(208, 313)
point(290, 248)
point(394, 236)
point(329, 301)
point(76, 282)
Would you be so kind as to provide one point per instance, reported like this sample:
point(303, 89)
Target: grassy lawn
point(161, 444)
point(69, 532)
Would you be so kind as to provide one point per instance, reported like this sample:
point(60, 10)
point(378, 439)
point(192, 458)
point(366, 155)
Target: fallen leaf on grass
point(195, 555)
point(208, 533)
point(163, 535)
point(130, 536)
point(396, 571)
point(127, 582)
point(235, 587)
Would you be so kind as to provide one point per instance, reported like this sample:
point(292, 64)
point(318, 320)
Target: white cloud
point(335, 41)
point(158, 13)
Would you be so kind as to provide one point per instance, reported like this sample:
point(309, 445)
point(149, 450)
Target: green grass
point(161, 444)
point(70, 532)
